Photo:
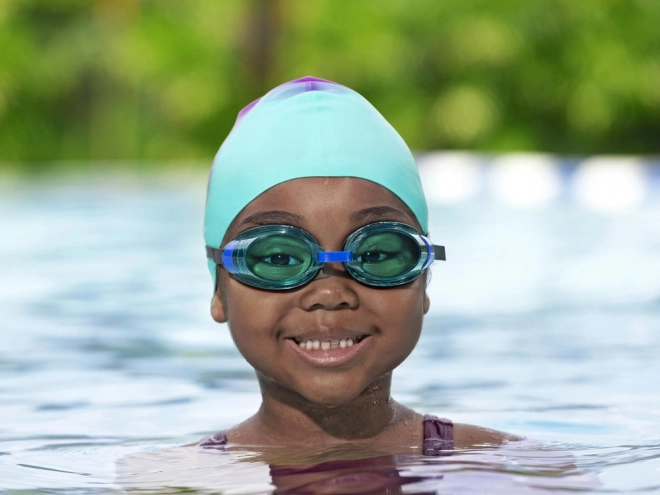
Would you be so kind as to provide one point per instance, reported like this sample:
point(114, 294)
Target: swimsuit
point(438, 436)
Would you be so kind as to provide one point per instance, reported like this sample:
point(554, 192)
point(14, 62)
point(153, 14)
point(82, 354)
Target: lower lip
point(335, 356)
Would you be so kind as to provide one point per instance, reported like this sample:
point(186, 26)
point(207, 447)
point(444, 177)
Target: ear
point(427, 302)
point(217, 309)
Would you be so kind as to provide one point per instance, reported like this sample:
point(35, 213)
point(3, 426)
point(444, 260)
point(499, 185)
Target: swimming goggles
point(278, 257)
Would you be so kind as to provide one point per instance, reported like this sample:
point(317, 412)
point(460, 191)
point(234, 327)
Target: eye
point(373, 256)
point(281, 259)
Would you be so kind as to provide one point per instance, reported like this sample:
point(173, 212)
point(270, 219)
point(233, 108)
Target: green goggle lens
point(387, 254)
point(278, 258)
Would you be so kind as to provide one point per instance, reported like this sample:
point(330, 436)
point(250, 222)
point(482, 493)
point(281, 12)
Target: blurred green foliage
point(164, 79)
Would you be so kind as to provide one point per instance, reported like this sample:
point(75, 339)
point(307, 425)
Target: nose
point(331, 289)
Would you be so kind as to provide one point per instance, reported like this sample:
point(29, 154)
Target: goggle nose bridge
point(333, 256)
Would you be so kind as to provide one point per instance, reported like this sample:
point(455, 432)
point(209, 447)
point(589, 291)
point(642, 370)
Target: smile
point(319, 350)
point(315, 345)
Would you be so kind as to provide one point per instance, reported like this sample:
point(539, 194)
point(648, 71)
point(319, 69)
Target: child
point(315, 231)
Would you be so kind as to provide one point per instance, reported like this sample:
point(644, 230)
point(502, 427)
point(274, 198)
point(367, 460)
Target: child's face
point(265, 323)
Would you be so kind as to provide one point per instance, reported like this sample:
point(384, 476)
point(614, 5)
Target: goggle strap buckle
point(228, 257)
point(224, 257)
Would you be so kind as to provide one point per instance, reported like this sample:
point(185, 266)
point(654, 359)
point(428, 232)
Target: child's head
point(310, 164)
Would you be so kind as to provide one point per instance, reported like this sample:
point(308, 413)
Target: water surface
point(544, 322)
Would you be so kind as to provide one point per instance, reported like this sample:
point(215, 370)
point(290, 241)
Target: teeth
point(309, 344)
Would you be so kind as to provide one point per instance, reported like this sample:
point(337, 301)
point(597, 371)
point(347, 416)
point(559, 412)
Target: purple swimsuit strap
point(217, 441)
point(438, 437)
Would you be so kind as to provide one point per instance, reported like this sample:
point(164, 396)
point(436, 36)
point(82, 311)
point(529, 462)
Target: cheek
point(400, 316)
point(253, 317)
point(403, 307)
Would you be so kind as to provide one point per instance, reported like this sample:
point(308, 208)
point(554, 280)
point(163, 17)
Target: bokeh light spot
point(483, 41)
point(525, 180)
point(610, 184)
point(450, 177)
point(464, 114)
point(589, 110)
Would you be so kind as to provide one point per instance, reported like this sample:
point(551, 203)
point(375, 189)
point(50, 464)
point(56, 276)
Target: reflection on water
point(523, 467)
point(544, 323)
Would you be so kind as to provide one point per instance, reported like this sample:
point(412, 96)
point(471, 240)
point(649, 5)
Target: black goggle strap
point(439, 253)
point(214, 254)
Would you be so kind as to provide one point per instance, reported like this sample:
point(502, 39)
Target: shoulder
point(471, 435)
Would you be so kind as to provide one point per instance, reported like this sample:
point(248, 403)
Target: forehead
point(311, 190)
point(335, 199)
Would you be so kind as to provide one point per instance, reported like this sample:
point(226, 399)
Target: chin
point(331, 394)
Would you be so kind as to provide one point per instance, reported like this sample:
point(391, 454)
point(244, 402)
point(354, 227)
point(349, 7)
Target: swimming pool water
point(545, 322)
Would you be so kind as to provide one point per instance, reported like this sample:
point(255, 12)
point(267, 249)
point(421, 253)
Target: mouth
point(327, 344)
point(328, 351)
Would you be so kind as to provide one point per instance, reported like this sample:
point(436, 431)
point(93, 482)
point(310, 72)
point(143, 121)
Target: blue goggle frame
point(234, 255)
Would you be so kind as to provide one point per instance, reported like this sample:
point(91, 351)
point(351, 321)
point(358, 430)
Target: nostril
point(329, 293)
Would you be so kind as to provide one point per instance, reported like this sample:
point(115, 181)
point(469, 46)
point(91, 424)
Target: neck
point(288, 418)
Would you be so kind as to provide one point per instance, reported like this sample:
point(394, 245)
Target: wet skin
point(312, 397)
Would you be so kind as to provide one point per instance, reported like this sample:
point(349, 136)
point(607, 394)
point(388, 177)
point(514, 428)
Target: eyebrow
point(274, 217)
point(371, 214)
point(377, 213)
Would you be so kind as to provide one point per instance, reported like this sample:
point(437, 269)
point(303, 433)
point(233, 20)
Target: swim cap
point(308, 127)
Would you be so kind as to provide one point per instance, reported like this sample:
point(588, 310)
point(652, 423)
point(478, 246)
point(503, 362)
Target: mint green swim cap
point(308, 127)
